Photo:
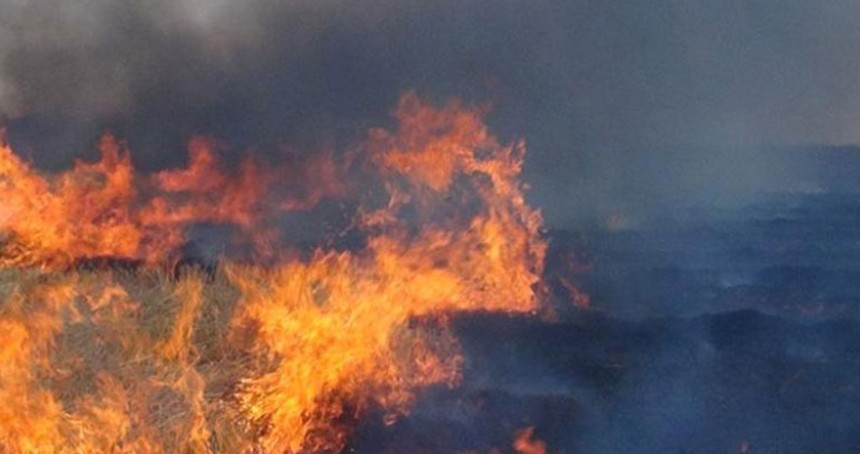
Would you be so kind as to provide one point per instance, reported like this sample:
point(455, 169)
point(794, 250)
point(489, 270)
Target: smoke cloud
point(601, 90)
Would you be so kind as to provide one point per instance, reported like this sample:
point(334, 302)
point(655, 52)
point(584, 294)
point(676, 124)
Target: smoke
point(628, 107)
point(104, 57)
point(92, 57)
point(600, 90)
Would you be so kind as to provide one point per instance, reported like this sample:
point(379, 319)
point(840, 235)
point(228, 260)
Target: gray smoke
point(101, 57)
point(624, 103)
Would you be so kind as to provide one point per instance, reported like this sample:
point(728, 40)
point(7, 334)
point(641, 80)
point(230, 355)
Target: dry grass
point(119, 361)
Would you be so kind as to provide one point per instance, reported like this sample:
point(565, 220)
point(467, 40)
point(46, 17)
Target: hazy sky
point(600, 89)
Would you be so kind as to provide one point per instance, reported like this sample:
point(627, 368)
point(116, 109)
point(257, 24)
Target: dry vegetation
point(103, 351)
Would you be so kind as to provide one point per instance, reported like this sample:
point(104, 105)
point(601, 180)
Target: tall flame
point(279, 358)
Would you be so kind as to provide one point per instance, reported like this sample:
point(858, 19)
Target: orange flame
point(526, 444)
point(255, 359)
point(104, 210)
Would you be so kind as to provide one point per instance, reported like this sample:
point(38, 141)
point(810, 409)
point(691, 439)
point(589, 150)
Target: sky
point(624, 104)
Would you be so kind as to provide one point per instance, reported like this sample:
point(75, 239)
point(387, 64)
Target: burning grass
point(283, 353)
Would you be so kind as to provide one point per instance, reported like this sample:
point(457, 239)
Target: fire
point(277, 358)
point(526, 444)
point(83, 212)
point(104, 209)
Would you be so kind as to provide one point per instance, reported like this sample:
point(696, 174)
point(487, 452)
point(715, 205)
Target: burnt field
point(710, 330)
point(709, 384)
point(412, 227)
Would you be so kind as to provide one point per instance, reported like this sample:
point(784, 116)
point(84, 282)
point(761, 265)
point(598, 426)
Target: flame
point(83, 212)
point(524, 443)
point(278, 358)
point(104, 209)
